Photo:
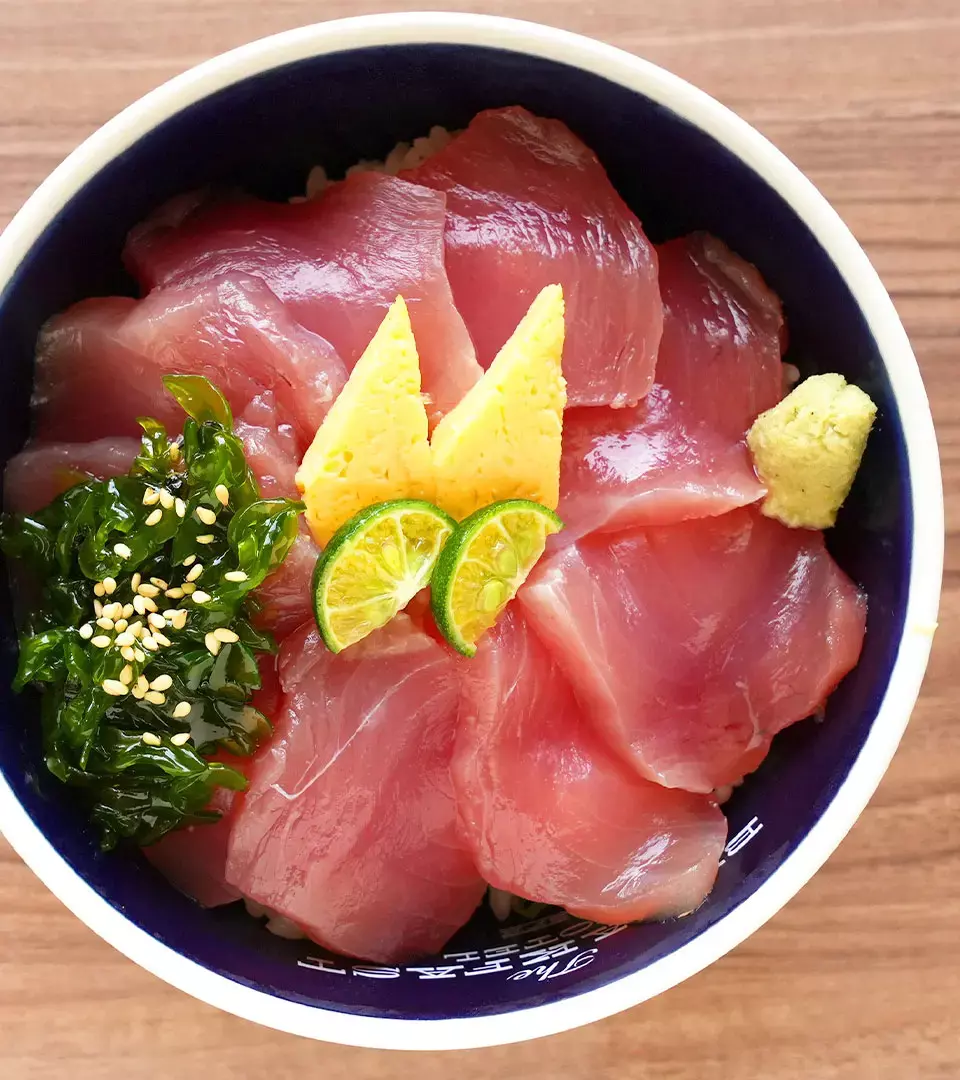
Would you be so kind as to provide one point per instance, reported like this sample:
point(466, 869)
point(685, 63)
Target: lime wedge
point(373, 567)
point(484, 563)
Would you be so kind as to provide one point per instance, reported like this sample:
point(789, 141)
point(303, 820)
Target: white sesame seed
point(161, 682)
point(166, 499)
point(161, 639)
point(154, 698)
point(149, 605)
point(139, 655)
point(135, 583)
point(126, 675)
point(228, 637)
point(148, 590)
point(101, 641)
point(234, 575)
point(222, 493)
point(114, 688)
point(156, 620)
point(86, 631)
point(105, 624)
point(98, 608)
point(207, 538)
point(122, 550)
point(138, 605)
point(127, 610)
point(151, 497)
point(148, 643)
point(181, 737)
point(109, 586)
point(150, 739)
point(188, 588)
point(143, 685)
point(154, 517)
point(125, 641)
point(174, 452)
point(120, 625)
point(211, 643)
point(189, 560)
point(98, 589)
point(181, 507)
point(195, 571)
point(127, 653)
point(160, 583)
point(182, 710)
point(207, 516)
point(200, 597)
point(174, 594)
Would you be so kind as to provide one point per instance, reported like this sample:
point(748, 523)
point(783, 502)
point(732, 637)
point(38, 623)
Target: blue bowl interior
point(264, 134)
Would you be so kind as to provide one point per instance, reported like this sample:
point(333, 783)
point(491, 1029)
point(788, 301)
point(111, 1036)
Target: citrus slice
point(373, 567)
point(484, 563)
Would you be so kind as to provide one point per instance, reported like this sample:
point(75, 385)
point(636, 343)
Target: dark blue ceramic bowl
point(261, 117)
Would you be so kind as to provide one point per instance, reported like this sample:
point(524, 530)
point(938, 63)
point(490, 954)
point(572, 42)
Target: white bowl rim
point(926, 553)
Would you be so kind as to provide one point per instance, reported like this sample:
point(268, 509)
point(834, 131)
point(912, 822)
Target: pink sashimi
point(42, 471)
point(337, 263)
point(552, 815)
point(100, 363)
point(692, 645)
point(349, 826)
point(680, 453)
point(723, 329)
point(285, 598)
point(194, 859)
point(529, 205)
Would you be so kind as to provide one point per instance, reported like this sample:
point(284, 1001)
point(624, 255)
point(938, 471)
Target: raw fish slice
point(552, 815)
point(680, 453)
point(349, 826)
point(648, 465)
point(528, 205)
point(99, 364)
point(285, 598)
point(270, 447)
point(194, 858)
point(692, 645)
point(336, 262)
point(722, 335)
point(42, 471)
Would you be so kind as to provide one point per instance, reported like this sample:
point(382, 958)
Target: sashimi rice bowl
point(473, 531)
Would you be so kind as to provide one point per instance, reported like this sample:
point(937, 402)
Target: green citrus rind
point(484, 563)
point(373, 567)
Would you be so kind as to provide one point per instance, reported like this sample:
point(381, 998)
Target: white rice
point(403, 156)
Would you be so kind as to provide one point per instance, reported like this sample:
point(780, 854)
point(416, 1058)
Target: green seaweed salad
point(139, 629)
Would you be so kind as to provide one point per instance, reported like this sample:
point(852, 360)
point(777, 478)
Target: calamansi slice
point(484, 563)
point(373, 567)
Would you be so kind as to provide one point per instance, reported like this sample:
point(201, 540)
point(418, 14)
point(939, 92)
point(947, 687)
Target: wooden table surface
point(859, 977)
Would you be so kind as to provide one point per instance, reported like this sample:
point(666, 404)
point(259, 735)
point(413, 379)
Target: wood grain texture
point(859, 977)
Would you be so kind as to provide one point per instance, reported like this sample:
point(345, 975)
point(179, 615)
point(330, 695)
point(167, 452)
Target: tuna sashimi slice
point(100, 363)
point(528, 205)
point(337, 263)
point(692, 645)
point(723, 330)
point(349, 826)
point(552, 815)
point(194, 859)
point(42, 471)
point(681, 453)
